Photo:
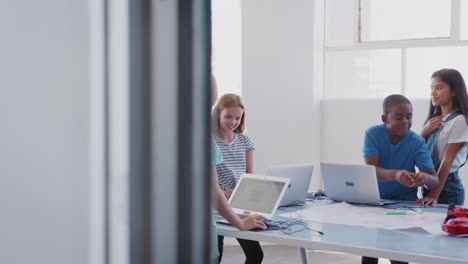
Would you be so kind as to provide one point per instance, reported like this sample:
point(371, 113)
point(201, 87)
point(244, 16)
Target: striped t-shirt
point(234, 159)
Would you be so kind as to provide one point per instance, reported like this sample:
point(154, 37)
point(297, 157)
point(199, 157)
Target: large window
point(226, 42)
point(404, 19)
point(375, 69)
point(464, 20)
point(421, 62)
point(378, 47)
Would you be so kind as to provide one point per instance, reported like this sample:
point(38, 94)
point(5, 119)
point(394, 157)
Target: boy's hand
point(431, 125)
point(405, 177)
point(253, 222)
point(419, 179)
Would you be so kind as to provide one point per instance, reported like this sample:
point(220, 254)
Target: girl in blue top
point(446, 134)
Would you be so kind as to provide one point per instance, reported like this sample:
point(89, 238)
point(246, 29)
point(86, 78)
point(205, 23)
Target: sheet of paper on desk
point(347, 214)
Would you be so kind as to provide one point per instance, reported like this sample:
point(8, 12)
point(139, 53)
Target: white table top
point(365, 241)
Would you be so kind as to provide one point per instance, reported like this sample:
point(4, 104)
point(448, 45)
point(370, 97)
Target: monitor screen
point(258, 195)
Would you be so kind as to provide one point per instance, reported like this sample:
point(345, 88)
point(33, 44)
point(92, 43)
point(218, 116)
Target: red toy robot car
point(456, 222)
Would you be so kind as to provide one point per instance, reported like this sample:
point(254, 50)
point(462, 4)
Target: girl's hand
point(431, 125)
point(253, 222)
point(227, 193)
point(426, 201)
point(419, 179)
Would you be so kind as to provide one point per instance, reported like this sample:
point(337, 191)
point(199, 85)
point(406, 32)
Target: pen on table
point(396, 213)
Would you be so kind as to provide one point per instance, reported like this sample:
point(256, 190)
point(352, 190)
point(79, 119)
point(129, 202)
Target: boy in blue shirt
point(395, 150)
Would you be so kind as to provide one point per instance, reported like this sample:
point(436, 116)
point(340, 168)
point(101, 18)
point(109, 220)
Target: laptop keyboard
point(270, 225)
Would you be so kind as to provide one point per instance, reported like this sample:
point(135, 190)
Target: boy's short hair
point(392, 100)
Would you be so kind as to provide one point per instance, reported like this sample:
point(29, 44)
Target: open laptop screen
point(351, 183)
point(300, 176)
point(257, 195)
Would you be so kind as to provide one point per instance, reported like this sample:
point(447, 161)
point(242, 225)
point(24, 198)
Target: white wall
point(282, 111)
point(43, 144)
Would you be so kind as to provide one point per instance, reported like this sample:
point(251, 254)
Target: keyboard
point(270, 225)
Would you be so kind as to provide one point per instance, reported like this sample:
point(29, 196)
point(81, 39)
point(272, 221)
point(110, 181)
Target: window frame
point(453, 40)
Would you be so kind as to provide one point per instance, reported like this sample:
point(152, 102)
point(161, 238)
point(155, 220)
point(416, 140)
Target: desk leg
point(303, 253)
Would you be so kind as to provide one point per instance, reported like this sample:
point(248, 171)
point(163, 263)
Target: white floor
point(275, 254)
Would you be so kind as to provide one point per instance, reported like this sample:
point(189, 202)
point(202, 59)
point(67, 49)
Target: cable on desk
point(412, 208)
point(394, 206)
point(415, 208)
point(288, 226)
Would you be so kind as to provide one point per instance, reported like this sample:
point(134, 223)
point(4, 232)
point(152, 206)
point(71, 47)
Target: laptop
point(352, 183)
point(256, 194)
point(299, 176)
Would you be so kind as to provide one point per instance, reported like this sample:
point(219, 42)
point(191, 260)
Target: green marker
point(396, 213)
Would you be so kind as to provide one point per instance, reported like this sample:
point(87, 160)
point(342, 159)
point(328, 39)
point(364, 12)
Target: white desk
point(364, 241)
